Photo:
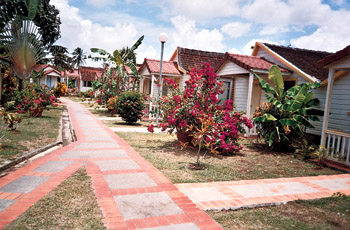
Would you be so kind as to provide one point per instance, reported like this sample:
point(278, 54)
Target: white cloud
point(200, 9)
point(247, 49)
point(234, 51)
point(187, 35)
point(270, 30)
point(146, 52)
point(100, 3)
point(79, 32)
point(332, 36)
point(236, 29)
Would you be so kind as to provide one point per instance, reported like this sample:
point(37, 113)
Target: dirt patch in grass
point(72, 205)
point(164, 152)
point(31, 134)
point(327, 213)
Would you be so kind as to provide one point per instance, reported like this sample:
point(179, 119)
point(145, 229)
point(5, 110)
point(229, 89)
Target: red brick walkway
point(253, 193)
point(150, 201)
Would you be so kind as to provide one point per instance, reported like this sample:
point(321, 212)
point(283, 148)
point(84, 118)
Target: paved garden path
point(254, 193)
point(131, 193)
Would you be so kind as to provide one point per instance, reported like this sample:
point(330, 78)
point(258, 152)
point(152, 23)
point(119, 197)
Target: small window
point(227, 94)
point(289, 84)
point(87, 84)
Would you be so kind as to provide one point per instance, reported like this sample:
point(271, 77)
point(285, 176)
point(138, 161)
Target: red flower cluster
point(197, 110)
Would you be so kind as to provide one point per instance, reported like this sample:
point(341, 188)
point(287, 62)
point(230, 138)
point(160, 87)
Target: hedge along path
point(131, 193)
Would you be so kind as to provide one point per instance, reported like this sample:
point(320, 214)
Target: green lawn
point(72, 205)
point(31, 134)
point(327, 213)
point(164, 152)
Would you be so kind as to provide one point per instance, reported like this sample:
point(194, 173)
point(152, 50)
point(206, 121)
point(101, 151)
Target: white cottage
point(304, 68)
point(336, 138)
point(51, 75)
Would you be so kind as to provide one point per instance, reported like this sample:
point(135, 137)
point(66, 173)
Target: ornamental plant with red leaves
point(188, 111)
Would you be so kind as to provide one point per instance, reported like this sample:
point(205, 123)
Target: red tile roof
point(248, 62)
point(305, 60)
point(74, 74)
point(334, 57)
point(189, 58)
point(153, 66)
point(40, 67)
point(90, 73)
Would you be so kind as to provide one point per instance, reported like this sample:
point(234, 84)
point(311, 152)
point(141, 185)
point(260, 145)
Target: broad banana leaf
point(303, 121)
point(101, 52)
point(32, 7)
point(289, 122)
point(133, 68)
point(297, 101)
point(116, 57)
point(137, 44)
point(273, 101)
point(265, 118)
point(276, 76)
point(265, 86)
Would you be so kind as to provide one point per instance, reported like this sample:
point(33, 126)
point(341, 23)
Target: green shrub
point(130, 106)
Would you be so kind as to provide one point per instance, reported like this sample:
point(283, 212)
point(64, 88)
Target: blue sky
point(221, 25)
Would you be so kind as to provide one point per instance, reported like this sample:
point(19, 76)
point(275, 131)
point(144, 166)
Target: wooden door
point(256, 97)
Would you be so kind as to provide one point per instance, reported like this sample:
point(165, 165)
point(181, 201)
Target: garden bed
point(164, 152)
point(31, 134)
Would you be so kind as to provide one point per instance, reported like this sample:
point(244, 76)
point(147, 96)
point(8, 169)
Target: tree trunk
point(20, 84)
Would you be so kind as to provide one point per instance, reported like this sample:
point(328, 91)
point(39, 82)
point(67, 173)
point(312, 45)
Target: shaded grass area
point(164, 152)
point(326, 213)
point(31, 133)
point(72, 205)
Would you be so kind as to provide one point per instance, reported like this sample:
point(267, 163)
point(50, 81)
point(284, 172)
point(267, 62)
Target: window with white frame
point(228, 87)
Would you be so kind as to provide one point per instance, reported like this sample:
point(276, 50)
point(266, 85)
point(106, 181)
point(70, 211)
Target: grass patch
point(31, 134)
point(72, 205)
point(326, 213)
point(164, 152)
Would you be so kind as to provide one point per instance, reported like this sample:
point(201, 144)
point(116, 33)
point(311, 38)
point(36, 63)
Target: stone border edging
point(32, 153)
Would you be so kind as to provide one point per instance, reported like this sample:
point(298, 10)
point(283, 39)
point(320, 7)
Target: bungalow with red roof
point(50, 76)
point(336, 138)
point(303, 65)
point(73, 77)
point(149, 71)
point(87, 75)
point(242, 87)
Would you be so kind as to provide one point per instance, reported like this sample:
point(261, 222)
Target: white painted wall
point(229, 68)
point(241, 92)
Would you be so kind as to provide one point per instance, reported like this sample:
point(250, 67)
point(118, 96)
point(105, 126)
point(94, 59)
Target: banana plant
point(118, 60)
point(288, 111)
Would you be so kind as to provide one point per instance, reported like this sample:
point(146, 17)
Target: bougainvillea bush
point(34, 96)
point(198, 112)
point(130, 106)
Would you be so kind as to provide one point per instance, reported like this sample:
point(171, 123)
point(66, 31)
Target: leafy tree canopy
point(46, 19)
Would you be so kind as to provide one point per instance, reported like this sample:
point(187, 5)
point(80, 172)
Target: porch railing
point(251, 132)
point(338, 146)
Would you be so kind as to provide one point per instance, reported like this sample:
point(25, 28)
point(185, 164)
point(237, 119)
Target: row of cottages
point(297, 66)
point(81, 78)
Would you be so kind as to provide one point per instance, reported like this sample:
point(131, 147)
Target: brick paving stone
point(97, 145)
point(5, 203)
point(53, 166)
point(24, 184)
point(94, 153)
point(129, 180)
point(204, 194)
point(334, 184)
point(108, 165)
point(146, 205)
point(187, 226)
point(271, 189)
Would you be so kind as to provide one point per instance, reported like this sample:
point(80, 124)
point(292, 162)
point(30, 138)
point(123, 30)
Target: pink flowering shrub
point(198, 112)
point(34, 96)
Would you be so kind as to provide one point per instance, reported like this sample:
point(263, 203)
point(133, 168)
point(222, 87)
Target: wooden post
point(250, 93)
point(152, 92)
point(327, 105)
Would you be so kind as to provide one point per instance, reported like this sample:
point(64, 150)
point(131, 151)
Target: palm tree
point(60, 58)
point(78, 57)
